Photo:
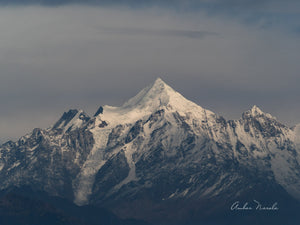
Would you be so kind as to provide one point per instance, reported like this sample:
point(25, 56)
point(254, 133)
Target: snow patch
point(184, 193)
point(258, 154)
point(33, 148)
point(173, 194)
point(16, 164)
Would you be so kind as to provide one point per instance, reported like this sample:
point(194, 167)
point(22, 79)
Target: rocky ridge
point(156, 150)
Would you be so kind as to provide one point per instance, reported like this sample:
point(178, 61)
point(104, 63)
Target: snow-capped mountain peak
point(158, 142)
point(71, 120)
point(154, 97)
point(160, 95)
point(255, 111)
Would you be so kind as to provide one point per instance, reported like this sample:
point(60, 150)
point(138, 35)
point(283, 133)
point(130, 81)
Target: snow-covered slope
point(156, 97)
point(157, 144)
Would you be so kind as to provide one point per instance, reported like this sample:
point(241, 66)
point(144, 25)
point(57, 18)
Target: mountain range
point(161, 159)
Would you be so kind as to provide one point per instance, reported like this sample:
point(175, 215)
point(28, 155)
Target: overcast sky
point(225, 55)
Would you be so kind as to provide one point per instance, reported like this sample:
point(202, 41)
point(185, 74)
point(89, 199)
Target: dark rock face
point(114, 139)
point(99, 111)
point(111, 174)
point(103, 124)
point(134, 131)
point(16, 209)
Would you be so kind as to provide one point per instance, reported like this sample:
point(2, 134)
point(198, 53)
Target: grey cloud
point(161, 32)
point(187, 4)
point(262, 12)
point(53, 59)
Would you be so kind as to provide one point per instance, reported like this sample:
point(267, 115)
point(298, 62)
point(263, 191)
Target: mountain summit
point(158, 91)
point(156, 154)
point(257, 112)
point(158, 95)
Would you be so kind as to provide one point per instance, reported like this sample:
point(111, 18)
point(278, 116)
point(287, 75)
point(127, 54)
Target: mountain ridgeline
point(162, 159)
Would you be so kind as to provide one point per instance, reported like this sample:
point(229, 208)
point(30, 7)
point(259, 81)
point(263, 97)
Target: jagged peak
point(99, 111)
point(255, 111)
point(73, 118)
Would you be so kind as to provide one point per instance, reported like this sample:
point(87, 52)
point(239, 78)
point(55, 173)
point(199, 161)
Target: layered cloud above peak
point(223, 55)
